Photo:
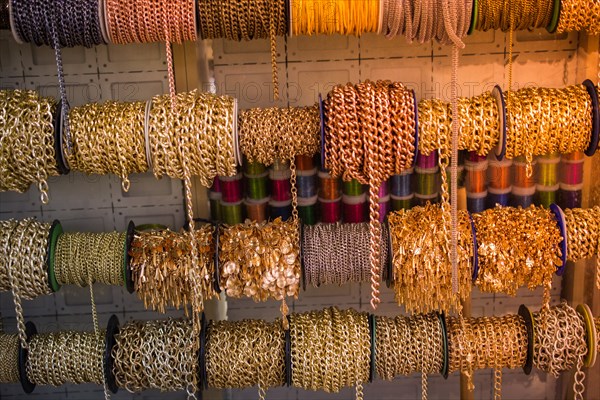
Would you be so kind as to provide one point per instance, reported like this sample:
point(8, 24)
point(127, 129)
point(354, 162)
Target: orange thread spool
point(329, 187)
point(499, 174)
point(520, 178)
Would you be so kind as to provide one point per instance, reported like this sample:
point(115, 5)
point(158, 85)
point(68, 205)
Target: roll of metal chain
point(9, 358)
point(521, 14)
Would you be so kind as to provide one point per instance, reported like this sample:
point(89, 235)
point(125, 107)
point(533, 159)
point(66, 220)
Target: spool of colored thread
point(307, 210)
point(547, 170)
point(281, 209)
point(569, 196)
point(546, 195)
point(402, 202)
point(385, 207)
point(355, 208)
point(499, 173)
point(256, 210)
point(476, 177)
point(522, 197)
point(307, 183)
point(476, 202)
point(384, 189)
point(574, 157)
point(427, 162)
point(520, 178)
point(256, 186)
point(280, 184)
point(279, 165)
point(214, 199)
point(216, 186)
point(304, 163)
point(473, 157)
point(329, 187)
point(353, 188)
point(571, 172)
point(231, 188)
point(426, 181)
point(460, 176)
point(331, 210)
point(422, 199)
point(231, 213)
point(401, 185)
point(254, 168)
point(498, 197)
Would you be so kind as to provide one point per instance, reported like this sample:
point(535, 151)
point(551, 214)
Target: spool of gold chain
point(9, 358)
point(579, 15)
point(583, 233)
point(27, 146)
point(521, 14)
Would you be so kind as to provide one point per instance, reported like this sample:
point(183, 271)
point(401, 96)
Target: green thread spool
point(254, 168)
point(256, 185)
point(307, 210)
point(353, 188)
point(422, 199)
point(427, 181)
point(279, 165)
point(231, 213)
point(547, 170)
point(402, 202)
point(214, 199)
point(546, 195)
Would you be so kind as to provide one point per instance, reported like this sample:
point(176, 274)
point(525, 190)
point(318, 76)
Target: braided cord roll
point(521, 14)
point(344, 17)
point(370, 136)
point(26, 141)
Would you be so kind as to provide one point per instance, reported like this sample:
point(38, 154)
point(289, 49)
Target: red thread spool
point(578, 156)
point(520, 178)
point(355, 208)
point(329, 188)
point(331, 210)
point(499, 174)
point(476, 180)
point(304, 163)
point(473, 157)
point(231, 188)
point(216, 186)
point(280, 185)
point(571, 173)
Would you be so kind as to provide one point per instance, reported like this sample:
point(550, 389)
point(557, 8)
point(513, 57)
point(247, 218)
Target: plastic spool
point(595, 134)
point(372, 331)
point(500, 151)
point(236, 135)
point(553, 24)
point(280, 209)
point(547, 170)
point(476, 202)
point(445, 363)
point(498, 197)
point(61, 162)
point(216, 275)
point(256, 210)
point(231, 188)
point(329, 187)
point(254, 168)
point(304, 162)
point(546, 195)
point(355, 208)
point(474, 14)
point(330, 210)
point(476, 179)
point(353, 188)
point(147, 135)
point(571, 173)
point(306, 181)
point(402, 202)
point(590, 334)
point(256, 186)
point(288, 357)
point(280, 186)
point(570, 196)
point(384, 207)
point(577, 156)
point(112, 329)
point(127, 274)
point(560, 220)
point(401, 185)
point(231, 213)
point(384, 189)
point(520, 178)
point(426, 181)
point(527, 316)
point(475, 272)
point(214, 199)
point(522, 197)
point(307, 210)
point(427, 162)
point(499, 173)
point(26, 384)
point(55, 231)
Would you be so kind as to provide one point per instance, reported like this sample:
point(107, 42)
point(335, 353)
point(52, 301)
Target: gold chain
point(583, 233)
point(9, 358)
point(27, 136)
point(579, 15)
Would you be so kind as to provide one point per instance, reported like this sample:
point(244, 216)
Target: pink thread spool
point(280, 184)
point(331, 210)
point(231, 188)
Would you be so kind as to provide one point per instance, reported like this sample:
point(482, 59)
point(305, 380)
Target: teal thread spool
point(257, 185)
point(232, 213)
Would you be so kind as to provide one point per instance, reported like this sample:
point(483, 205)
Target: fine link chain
point(9, 358)
point(583, 232)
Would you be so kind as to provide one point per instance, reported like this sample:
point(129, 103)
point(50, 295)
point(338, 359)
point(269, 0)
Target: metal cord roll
point(9, 358)
point(521, 14)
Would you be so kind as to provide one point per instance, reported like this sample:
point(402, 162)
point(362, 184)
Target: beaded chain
point(409, 344)
point(241, 354)
point(424, 20)
point(245, 20)
point(370, 136)
point(83, 258)
point(486, 342)
point(23, 268)
point(344, 17)
point(559, 344)
point(579, 15)
point(335, 254)
point(583, 233)
point(155, 355)
point(27, 137)
point(517, 247)
point(108, 138)
point(261, 260)
point(330, 350)
point(479, 124)
point(9, 358)
point(544, 121)
point(160, 264)
point(422, 272)
point(518, 14)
